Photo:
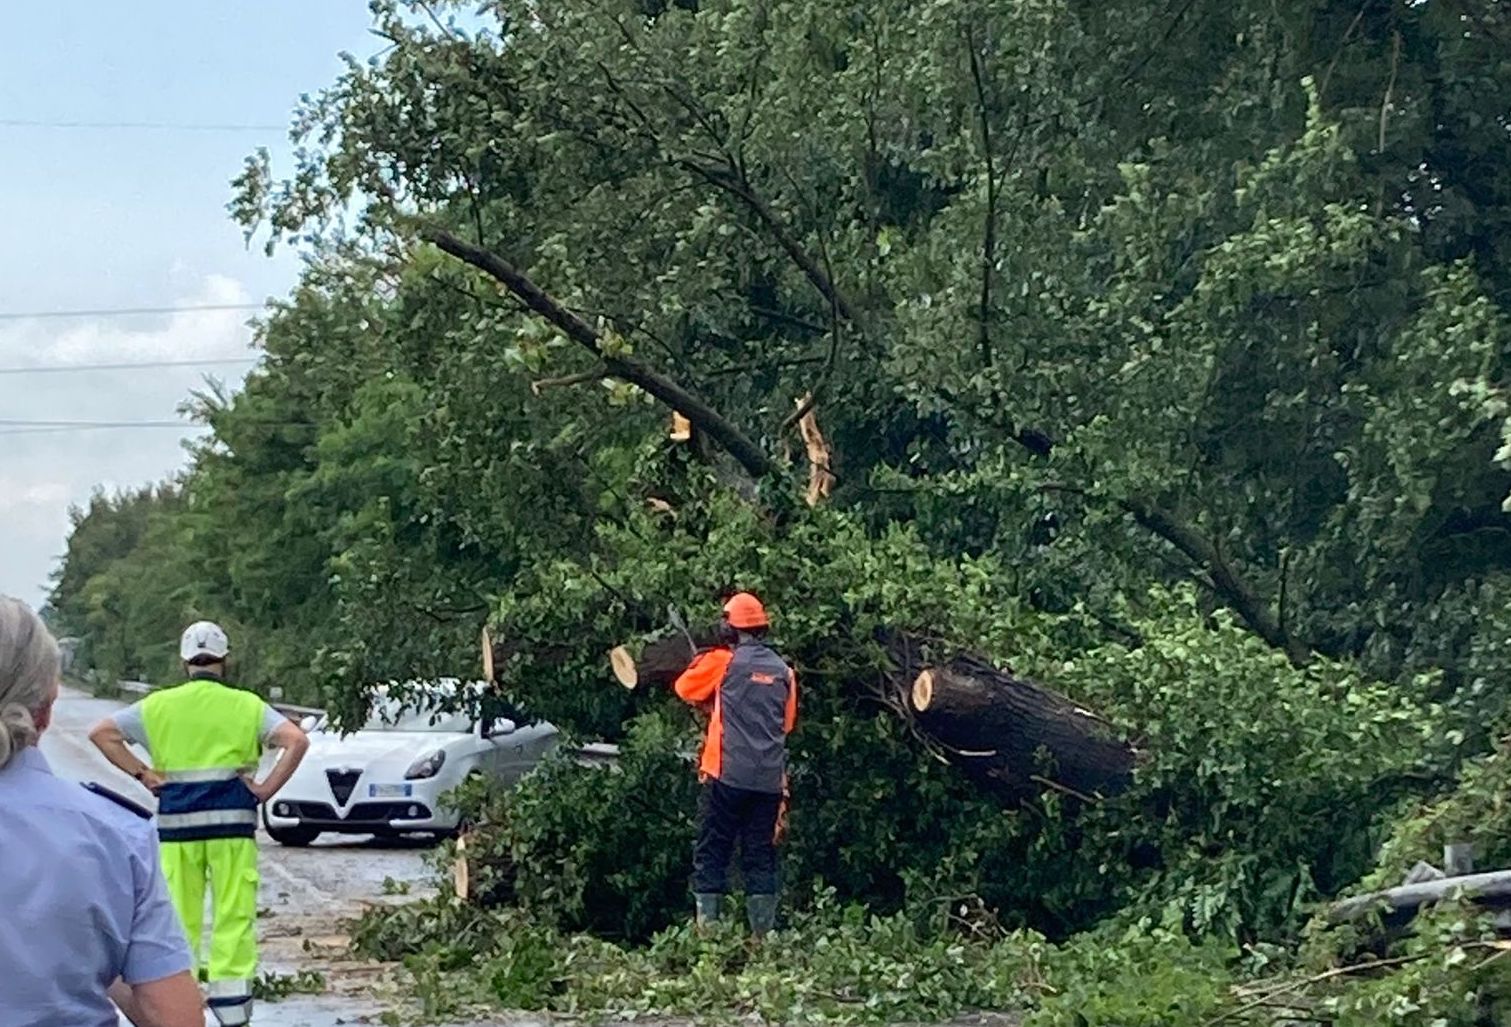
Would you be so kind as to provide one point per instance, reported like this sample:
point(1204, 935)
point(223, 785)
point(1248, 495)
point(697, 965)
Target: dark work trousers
point(728, 815)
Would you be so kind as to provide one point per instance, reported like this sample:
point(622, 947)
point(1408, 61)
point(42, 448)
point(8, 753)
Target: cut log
point(482, 874)
point(923, 690)
point(624, 666)
point(663, 659)
point(1016, 737)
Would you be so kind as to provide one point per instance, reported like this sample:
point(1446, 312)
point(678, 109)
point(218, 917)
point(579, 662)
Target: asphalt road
point(305, 893)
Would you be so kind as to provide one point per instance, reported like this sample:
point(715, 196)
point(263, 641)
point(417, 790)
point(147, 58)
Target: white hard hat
point(203, 638)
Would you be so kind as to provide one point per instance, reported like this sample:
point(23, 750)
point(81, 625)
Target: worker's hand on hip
point(260, 792)
point(152, 780)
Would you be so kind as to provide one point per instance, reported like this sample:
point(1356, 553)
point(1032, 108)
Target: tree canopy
point(1159, 350)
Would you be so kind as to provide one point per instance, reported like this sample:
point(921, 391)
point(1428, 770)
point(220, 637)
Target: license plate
point(389, 791)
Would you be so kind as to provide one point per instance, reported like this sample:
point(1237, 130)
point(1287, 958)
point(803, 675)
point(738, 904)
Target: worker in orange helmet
point(753, 693)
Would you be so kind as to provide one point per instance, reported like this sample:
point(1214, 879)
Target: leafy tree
point(1161, 352)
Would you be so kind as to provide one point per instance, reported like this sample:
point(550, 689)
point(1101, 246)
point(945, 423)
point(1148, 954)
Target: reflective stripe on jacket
point(203, 735)
point(754, 696)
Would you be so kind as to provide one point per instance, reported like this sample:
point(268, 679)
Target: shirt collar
point(31, 758)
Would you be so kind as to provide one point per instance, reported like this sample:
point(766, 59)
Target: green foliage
point(832, 965)
point(1163, 355)
point(1244, 756)
point(273, 987)
point(590, 848)
point(1242, 753)
point(1142, 977)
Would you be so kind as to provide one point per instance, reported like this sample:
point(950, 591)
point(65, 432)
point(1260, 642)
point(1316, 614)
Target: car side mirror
point(307, 724)
point(501, 726)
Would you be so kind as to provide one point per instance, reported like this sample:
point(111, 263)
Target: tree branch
point(807, 405)
point(1235, 592)
point(730, 181)
point(782, 317)
point(582, 378)
point(1332, 65)
point(734, 441)
point(989, 236)
point(1390, 86)
point(728, 176)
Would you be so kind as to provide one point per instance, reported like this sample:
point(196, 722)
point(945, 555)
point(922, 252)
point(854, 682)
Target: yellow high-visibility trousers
point(229, 867)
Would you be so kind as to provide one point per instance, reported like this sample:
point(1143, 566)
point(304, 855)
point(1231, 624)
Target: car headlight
point(428, 765)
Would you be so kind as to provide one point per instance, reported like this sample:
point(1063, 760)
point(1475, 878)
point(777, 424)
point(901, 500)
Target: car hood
point(368, 747)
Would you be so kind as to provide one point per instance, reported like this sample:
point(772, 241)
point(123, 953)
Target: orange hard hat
point(744, 610)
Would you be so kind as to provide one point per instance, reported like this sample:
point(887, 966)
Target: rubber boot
point(761, 911)
point(233, 1014)
point(709, 909)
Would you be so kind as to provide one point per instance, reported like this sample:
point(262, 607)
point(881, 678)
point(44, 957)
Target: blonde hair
point(29, 669)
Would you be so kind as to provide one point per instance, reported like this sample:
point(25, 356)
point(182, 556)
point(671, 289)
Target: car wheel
point(297, 837)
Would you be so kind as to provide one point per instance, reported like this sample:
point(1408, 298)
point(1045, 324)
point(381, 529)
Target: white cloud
point(43, 473)
point(179, 336)
point(17, 494)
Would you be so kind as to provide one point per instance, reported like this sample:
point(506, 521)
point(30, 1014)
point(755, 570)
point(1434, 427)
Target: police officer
point(205, 739)
point(753, 698)
point(83, 907)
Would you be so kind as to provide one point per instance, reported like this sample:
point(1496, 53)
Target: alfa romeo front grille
point(342, 783)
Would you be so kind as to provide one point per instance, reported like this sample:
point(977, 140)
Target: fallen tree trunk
point(1014, 738)
point(1017, 737)
point(662, 660)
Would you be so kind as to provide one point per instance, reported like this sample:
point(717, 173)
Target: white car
point(391, 776)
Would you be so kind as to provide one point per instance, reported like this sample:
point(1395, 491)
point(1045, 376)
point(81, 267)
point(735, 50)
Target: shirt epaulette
point(117, 798)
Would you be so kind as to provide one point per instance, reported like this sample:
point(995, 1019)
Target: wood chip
point(820, 478)
point(461, 874)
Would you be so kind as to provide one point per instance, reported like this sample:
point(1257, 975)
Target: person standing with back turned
point(205, 739)
point(85, 912)
point(753, 693)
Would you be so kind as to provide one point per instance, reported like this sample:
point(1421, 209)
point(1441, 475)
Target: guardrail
point(289, 710)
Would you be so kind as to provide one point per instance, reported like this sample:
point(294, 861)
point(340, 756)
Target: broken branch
point(734, 441)
point(600, 372)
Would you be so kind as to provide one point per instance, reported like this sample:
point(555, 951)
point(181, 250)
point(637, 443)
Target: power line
point(25, 427)
point(72, 368)
point(123, 426)
point(23, 423)
point(156, 126)
point(38, 315)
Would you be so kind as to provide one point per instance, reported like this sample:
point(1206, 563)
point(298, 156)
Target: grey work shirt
point(84, 900)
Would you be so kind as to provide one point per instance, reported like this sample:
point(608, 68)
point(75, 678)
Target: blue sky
point(99, 218)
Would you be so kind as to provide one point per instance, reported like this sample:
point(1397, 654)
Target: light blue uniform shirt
point(84, 901)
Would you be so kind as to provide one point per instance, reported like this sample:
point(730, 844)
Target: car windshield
point(390, 715)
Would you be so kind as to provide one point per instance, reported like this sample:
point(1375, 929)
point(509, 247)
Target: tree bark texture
point(663, 659)
point(1015, 737)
